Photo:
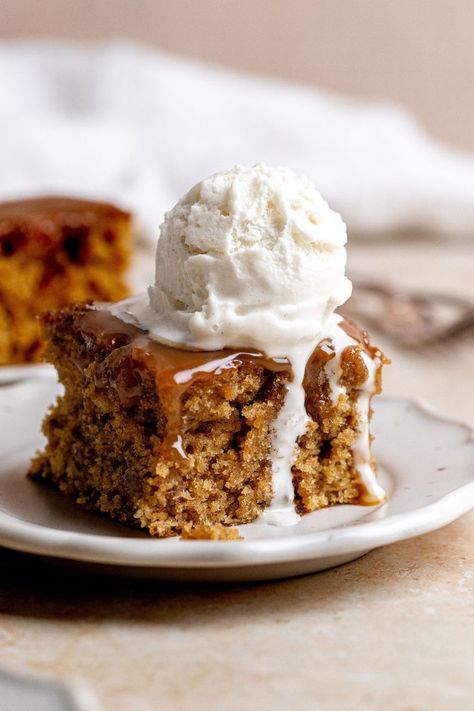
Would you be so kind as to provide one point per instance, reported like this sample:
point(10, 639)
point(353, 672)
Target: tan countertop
point(393, 630)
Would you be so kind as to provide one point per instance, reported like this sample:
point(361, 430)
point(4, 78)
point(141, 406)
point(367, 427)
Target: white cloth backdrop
point(140, 127)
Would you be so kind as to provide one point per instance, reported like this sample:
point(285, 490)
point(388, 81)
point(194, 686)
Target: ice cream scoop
point(249, 257)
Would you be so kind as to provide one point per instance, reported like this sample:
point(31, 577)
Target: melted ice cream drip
point(361, 447)
point(292, 422)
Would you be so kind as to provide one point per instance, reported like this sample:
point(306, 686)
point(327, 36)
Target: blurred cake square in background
point(55, 251)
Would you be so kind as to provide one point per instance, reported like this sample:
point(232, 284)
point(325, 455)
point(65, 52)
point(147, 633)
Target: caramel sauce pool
point(129, 350)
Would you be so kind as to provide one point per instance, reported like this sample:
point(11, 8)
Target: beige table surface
point(393, 630)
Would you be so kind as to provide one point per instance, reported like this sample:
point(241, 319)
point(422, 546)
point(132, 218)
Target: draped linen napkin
point(139, 127)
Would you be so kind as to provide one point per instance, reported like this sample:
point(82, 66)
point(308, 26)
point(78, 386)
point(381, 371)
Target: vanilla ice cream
point(250, 257)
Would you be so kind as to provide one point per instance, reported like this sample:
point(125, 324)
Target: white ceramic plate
point(13, 373)
point(426, 463)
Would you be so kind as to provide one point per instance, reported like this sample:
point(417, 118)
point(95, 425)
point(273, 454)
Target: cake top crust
point(58, 209)
point(41, 226)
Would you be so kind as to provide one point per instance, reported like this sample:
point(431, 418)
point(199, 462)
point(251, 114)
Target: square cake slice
point(53, 252)
point(179, 442)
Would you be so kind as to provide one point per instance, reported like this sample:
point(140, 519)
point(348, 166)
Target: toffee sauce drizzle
point(130, 353)
point(362, 338)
